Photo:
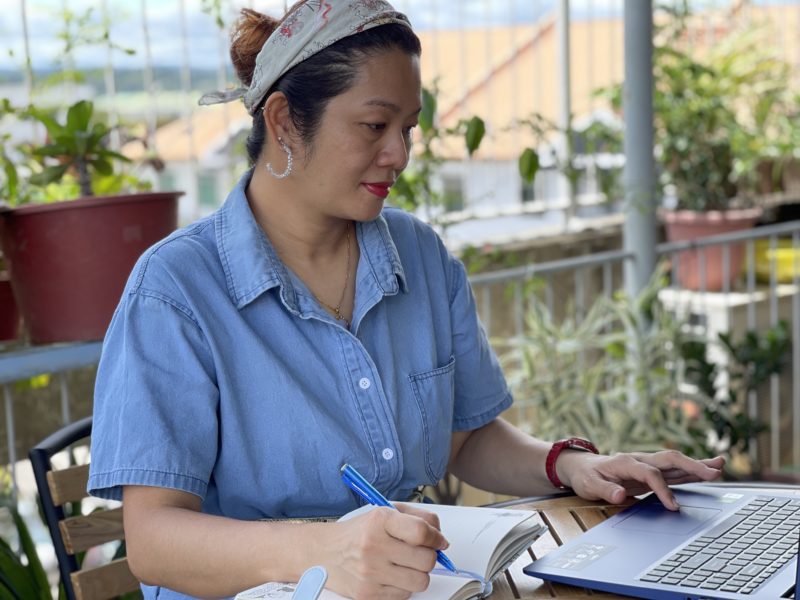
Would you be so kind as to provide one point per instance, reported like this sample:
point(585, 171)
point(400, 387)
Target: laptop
point(724, 543)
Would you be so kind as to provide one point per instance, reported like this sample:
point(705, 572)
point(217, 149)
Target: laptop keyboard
point(740, 553)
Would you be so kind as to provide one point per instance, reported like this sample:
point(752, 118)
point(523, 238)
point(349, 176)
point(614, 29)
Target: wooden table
point(566, 517)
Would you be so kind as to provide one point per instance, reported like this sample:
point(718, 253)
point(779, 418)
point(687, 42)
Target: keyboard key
point(738, 554)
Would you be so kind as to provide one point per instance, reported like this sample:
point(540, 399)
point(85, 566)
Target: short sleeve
point(156, 400)
point(481, 391)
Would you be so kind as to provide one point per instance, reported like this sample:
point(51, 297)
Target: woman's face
point(364, 139)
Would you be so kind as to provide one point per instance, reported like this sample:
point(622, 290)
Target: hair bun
point(248, 35)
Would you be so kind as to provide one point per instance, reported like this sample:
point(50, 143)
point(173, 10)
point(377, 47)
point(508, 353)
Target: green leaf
point(14, 575)
point(115, 155)
point(53, 127)
point(12, 178)
point(49, 175)
point(35, 569)
point(57, 149)
point(79, 115)
point(528, 164)
point(476, 129)
point(80, 146)
point(100, 130)
point(102, 166)
point(427, 115)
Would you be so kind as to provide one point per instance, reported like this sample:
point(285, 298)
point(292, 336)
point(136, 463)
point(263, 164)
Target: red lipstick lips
point(381, 190)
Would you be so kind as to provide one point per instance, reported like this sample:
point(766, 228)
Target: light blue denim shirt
point(222, 376)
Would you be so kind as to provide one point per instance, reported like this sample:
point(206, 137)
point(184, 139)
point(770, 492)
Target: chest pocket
point(435, 397)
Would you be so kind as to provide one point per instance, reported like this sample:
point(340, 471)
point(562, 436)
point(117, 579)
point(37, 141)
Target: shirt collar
point(380, 254)
point(252, 266)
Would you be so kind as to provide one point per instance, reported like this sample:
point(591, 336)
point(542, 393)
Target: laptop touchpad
point(657, 519)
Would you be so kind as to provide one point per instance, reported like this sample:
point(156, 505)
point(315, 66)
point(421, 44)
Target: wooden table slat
point(612, 510)
point(566, 517)
point(562, 523)
point(589, 517)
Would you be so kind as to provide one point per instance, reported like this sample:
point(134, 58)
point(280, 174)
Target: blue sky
point(205, 41)
point(208, 45)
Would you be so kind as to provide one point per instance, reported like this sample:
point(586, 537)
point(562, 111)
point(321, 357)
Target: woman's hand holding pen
point(614, 478)
point(384, 553)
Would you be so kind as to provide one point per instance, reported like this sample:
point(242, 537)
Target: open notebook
point(483, 543)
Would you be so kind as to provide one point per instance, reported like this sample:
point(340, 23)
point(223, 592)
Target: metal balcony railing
point(575, 283)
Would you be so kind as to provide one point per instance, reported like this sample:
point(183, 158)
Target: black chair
point(75, 534)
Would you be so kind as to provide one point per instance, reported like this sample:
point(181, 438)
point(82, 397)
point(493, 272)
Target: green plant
point(77, 145)
point(749, 363)
point(21, 571)
point(611, 376)
point(74, 161)
point(597, 137)
point(415, 186)
point(718, 113)
point(631, 377)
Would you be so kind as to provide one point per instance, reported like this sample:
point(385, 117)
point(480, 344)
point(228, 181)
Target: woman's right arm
point(170, 543)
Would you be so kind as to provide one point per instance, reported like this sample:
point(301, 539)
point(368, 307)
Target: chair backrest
point(75, 534)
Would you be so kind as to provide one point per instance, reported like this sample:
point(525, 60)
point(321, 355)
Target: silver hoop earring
point(289, 162)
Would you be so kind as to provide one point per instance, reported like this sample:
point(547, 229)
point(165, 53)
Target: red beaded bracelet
point(573, 443)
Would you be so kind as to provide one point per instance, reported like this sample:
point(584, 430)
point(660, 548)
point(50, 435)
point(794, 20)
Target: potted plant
point(68, 261)
point(576, 377)
point(609, 376)
point(711, 116)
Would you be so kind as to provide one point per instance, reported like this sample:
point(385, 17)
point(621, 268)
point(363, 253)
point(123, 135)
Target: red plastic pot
point(691, 225)
point(69, 261)
point(9, 315)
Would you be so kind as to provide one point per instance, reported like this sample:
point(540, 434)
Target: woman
point(303, 326)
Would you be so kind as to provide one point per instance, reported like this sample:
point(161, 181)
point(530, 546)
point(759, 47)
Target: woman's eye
point(376, 126)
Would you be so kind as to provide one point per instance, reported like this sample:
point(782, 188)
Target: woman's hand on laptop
point(614, 478)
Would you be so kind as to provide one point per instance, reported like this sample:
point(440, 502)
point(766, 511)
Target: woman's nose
point(395, 152)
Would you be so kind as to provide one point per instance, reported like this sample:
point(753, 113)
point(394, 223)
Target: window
point(207, 190)
point(452, 193)
point(528, 192)
point(167, 181)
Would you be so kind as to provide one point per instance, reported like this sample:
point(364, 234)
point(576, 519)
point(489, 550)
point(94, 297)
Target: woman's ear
point(276, 117)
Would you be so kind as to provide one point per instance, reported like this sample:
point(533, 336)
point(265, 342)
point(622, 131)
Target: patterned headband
point(309, 28)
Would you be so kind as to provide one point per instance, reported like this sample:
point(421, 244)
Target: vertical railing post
point(27, 71)
point(565, 102)
point(639, 175)
point(12, 441)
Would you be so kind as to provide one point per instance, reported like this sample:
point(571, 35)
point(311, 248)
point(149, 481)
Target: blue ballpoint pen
point(356, 482)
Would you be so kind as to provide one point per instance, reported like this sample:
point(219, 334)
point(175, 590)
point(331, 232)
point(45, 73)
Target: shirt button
point(364, 383)
point(388, 453)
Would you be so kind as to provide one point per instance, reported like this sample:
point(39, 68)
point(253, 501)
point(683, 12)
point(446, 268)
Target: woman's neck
point(297, 230)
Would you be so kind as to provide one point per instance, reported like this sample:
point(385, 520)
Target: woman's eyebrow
point(388, 105)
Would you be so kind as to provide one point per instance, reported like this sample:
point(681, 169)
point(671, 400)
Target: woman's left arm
point(500, 458)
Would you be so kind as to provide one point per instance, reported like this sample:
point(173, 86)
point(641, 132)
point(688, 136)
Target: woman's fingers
point(671, 461)
point(415, 530)
point(628, 467)
point(418, 510)
point(384, 554)
point(616, 477)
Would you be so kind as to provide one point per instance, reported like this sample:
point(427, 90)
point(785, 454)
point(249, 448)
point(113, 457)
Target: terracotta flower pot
point(9, 315)
point(684, 225)
point(69, 260)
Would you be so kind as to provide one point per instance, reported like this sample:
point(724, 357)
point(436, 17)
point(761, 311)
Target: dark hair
point(311, 84)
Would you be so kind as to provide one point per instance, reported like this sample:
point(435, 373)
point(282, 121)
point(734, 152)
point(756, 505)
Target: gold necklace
point(337, 310)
